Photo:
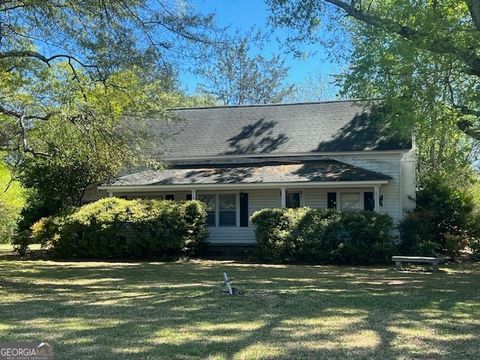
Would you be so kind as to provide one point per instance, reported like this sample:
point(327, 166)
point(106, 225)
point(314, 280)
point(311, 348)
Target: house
point(240, 159)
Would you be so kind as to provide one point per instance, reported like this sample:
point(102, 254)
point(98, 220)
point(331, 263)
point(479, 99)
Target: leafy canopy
point(88, 63)
point(421, 58)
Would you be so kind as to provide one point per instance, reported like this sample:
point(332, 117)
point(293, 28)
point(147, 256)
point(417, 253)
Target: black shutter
point(332, 200)
point(368, 201)
point(189, 196)
point(244, 209)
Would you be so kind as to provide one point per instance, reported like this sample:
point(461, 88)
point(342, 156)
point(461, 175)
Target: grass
point(150, 310)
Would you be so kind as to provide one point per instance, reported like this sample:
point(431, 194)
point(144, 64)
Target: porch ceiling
point(318, 171)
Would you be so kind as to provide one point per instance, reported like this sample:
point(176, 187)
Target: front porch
point(234, 192)
point(230, 207)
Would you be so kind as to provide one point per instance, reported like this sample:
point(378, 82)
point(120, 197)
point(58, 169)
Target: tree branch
point(465, 125)
point(23, 133)
point(18, 115)
point(41, 57)
point(438, 46)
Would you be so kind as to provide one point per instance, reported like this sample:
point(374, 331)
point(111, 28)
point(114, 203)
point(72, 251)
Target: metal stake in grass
point(226, 282)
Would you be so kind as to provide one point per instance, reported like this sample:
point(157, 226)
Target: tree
point(81, 47)
point(78, 81)
point(421, 59)
point(235, 77)
point(12, 199)
point(316, 87)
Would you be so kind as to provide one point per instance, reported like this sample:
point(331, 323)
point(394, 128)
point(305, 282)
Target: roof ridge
point(267, 105)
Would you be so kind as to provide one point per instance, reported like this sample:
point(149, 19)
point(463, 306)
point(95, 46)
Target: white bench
point(417, 259)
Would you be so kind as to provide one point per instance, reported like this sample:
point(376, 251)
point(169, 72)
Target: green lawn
point(149, 310)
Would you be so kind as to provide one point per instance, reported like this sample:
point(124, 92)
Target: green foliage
point(417, 56)
point(97, 42)
point(323, 236)
point(442, 221)
point(117, 228)
point(11, 202)
point(95, 146)
point(78, 117)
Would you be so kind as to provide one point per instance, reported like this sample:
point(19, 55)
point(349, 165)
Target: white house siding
point(231, 235)
point(178, 195)
point(93, 194)
point(408, 180)
point(315, 198)
point(263, 199)
point(257, 200)
point(388, 164)
point(311, 197)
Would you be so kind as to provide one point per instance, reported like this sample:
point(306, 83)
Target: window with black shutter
point(332, 200)
point(293, 199)
point(368, 201)
point(189, 196)
point(170, 197)
point(244, 209)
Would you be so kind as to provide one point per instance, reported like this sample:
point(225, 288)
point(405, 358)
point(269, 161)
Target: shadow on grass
point(176, 310)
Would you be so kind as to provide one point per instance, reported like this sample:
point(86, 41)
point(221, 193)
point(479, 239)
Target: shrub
point(441, 222)
point(118, 228)
point(323, 236)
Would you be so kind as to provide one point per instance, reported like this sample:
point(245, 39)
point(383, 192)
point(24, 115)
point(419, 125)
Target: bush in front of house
point(323, 236)
point(118, 228)
point(442, 223)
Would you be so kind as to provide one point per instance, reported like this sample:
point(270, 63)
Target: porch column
point(194, 194)
point(110, 194)
point(376, 197)
point(283, 200)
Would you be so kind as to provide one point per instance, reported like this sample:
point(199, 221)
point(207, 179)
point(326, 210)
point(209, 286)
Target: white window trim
point(302, 200)
point(217, 207)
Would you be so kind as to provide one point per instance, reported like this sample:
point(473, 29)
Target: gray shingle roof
point(272, 129)
point(249, 173)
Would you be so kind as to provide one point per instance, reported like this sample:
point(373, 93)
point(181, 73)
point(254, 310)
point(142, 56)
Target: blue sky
point(242, 15)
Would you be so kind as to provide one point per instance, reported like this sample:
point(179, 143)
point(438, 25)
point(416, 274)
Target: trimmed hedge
point(118, 228)
point(323, 236)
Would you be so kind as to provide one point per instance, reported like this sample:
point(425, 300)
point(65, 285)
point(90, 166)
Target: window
point(227, 212)
point(350, 201)
point(368, 201)
point(134, 197)
point(170, 197)
point(189, 197)
point(210, 202)
point(293, 200)
point(332, 200)
point(221, 209)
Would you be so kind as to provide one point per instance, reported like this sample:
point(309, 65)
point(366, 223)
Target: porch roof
point(305, 172)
